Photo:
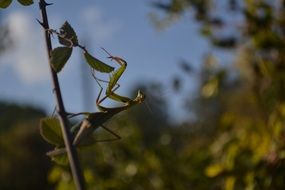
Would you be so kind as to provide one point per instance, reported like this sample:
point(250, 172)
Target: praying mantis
point(92, 121)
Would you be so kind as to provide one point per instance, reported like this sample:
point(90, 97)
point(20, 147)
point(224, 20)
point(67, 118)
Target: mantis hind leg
point(61, 151)
point(116, 136)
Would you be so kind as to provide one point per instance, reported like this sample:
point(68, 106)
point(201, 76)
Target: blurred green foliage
point(242, 105)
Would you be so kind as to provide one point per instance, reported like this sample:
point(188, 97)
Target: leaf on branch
point(26, 2)
point(97, 64)
point(5, 3)
point(59, 156)
point(50, 130)
point(59, 56)
point(67, 35)
point(61, 159)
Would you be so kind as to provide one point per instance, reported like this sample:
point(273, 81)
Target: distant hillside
point(23, 163)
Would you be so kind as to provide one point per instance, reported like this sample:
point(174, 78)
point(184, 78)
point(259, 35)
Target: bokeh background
point(213, 72)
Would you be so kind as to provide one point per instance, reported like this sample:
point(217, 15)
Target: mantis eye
point(140, 97)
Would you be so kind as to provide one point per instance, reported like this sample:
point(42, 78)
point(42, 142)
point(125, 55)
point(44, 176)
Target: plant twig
point(71, 151)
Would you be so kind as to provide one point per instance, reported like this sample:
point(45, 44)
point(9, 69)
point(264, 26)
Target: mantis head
point(119, 60)
point(140, 97)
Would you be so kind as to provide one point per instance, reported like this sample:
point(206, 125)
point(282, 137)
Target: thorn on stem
point(44, 3)
point(41, 23)
point(48, 4)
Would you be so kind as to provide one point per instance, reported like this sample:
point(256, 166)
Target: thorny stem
point(71, 151)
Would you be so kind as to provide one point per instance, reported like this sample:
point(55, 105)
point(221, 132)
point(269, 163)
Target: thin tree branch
point(71, 151)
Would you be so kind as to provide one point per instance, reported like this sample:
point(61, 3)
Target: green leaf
point(67, 35)
point(26, 2)
point(59, 56)
point(5, 3)
point(51, 131)
point(97, 64)
point(61, 159)
point(59, 156)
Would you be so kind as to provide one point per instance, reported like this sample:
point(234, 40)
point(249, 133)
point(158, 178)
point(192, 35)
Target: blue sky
point(124, 29)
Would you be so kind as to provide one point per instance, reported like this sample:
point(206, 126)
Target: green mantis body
point(97, 119)
point(94, 120)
